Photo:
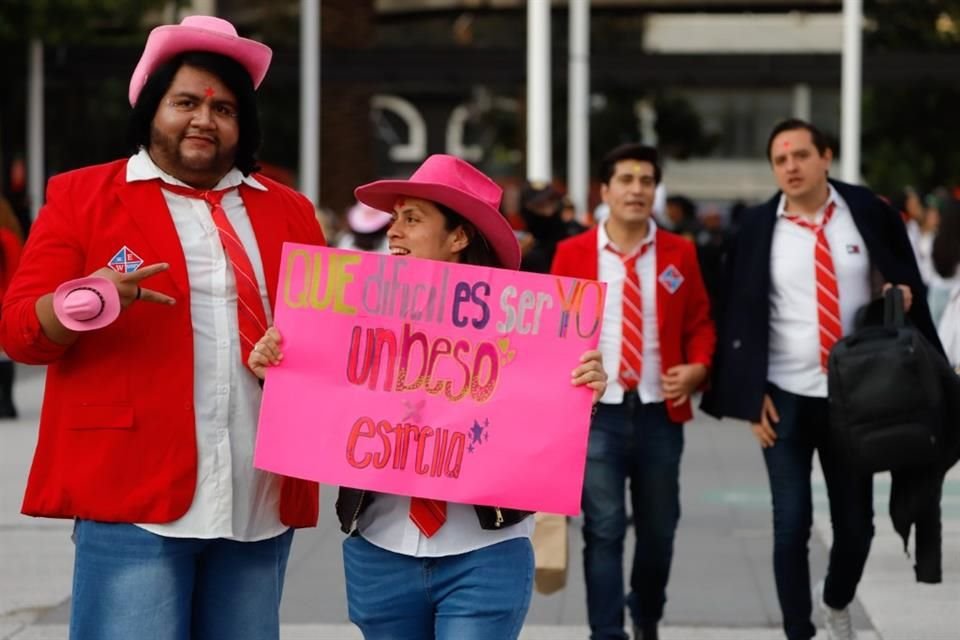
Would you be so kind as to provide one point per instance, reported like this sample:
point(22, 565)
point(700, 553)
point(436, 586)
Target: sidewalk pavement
point(721, 588)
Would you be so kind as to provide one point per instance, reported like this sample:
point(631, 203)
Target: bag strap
point(893, 314)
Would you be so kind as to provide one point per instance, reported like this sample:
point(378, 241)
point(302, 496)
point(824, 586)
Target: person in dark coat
point(802, 264)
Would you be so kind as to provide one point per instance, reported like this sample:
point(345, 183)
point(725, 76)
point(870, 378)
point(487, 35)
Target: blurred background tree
point(76, 21)
point(908, 131)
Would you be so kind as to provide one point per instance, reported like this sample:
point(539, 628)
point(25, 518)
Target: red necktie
point(631, 349)
point(428, 515)
point(251, 317)
point(828, 296)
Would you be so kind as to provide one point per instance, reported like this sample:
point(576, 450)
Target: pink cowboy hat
point(458, 185)
point(199, 33)
point(86, 304)
point(364, 219)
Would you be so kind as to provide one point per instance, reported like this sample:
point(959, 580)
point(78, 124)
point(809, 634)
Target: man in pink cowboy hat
point(144, 287)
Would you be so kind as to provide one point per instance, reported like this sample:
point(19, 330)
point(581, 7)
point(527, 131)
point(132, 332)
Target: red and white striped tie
point(828, 296)
point(631, 349)
point(251, 316)
point(429, 515)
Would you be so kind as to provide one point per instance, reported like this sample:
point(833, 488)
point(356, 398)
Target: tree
point(72, 21)
point(907, 130)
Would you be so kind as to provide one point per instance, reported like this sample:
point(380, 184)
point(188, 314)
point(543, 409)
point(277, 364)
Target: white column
point(538, 91)
point(578, 106)
point(36, 165)
point(310, 100)
point(802, 101)
point(850, 88)
point(205, 7)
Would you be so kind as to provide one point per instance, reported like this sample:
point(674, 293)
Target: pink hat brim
point(167, 41)
point(383, 195)
point(107, 292)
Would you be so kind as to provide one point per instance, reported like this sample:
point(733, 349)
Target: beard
point(169, 152)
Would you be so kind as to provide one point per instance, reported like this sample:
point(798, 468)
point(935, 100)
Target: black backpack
point(885, 393)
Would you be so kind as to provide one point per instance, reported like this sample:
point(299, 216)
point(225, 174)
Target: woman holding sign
point(416, 568)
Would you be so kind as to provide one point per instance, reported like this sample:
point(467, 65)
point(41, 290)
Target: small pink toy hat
point(86, 304)
point(199, 33)
point(365, 219)
point(460, 186)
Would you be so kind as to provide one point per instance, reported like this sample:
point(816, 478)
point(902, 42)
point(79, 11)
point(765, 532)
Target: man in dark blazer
point(801, 266)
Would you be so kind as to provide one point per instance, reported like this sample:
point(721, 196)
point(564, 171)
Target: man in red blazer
point(657, 342)
point(149, 416)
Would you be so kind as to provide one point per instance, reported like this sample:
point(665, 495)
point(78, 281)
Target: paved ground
point(721, 587)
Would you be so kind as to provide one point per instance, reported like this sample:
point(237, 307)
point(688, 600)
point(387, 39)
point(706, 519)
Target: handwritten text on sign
point(432, 379)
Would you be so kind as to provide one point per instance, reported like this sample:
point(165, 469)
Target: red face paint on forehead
point(208, 92)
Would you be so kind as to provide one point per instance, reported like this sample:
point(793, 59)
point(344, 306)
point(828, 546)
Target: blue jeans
point(635, 442)
point(803, 427)
point(130, 583)
point(476, 595)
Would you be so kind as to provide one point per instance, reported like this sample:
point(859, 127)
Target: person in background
point(946, 260)
point(680, 217)
point(657, 341)
point(11, 245)
point(142, 286)
point(367, 229)
point(712, 242)
point(417, 568)
point(910, 206)
point(929, 223)
point(540, 210)
point(802, 265)
point(568, 213)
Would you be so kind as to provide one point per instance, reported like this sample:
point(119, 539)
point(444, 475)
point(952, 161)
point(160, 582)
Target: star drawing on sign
point(478, 434)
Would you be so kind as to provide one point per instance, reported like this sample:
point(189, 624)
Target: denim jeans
point(130, 583)
point(477, 595)
point(635, 442)
point(803, 427)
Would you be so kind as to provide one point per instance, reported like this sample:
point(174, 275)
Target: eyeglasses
point(190, 106)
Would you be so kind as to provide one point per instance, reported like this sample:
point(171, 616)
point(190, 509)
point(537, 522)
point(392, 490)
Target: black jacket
point(915, 493)
point(352, 502)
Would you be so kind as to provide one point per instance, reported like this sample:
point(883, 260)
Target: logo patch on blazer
point(853, 248)
point(125, 261)
point(671, 278)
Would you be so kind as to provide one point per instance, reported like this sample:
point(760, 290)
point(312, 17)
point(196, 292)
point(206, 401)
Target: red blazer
point(10, 250)
point(117, 438)
point(687, 334)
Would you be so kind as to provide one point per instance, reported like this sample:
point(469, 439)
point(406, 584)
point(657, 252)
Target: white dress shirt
point(386, 523)
point(794, 364)
point(232, 500)
point(612, 271)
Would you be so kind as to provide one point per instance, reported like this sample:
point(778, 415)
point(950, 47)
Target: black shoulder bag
point(885, 393)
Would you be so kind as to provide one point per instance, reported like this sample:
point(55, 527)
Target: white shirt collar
point(142, 167)
point(603, 239)
point(832, 196)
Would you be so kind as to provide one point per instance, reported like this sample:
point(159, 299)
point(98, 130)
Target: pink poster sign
point(430, 379)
